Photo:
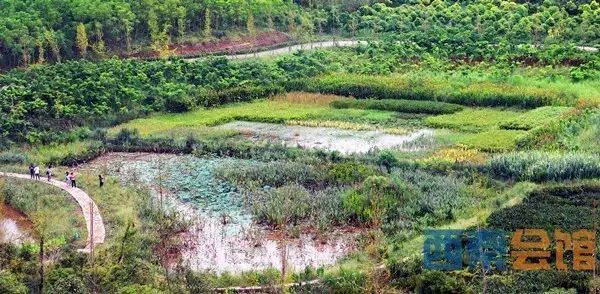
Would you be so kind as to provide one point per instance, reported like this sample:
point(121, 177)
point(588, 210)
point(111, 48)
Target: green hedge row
point(540, 166)
point(410, 106)
point(402, 87)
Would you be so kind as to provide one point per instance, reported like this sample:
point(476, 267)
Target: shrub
point(9, 283)
point(387, 160)
point(209, 98)
point(439, 282)
point(542, 166)
point(409, 106)
point(64, 280)
point(349, 173)
point(9, 157)
point(348, 282)
point(371, 202)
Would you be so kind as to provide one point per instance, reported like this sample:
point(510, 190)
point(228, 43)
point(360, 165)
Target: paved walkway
point(95, 229)
point(290, 49)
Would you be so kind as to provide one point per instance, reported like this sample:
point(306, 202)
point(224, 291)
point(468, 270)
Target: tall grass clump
point(409, 106)
point(294, 204)
point(272, 174)
point(482, 93)
point(539, 166)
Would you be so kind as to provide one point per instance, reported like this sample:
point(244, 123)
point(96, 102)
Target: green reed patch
point(534, 118)
point(399, 105)
point(473, 119)
point(481, 93)
point(541, 166)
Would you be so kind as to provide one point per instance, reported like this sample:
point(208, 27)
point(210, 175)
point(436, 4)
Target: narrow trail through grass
point(94, 222)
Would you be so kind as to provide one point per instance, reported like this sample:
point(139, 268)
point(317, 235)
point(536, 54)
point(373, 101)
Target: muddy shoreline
point(15, 226)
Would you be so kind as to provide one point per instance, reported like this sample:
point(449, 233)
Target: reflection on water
point(14, 226)
point(223, 236)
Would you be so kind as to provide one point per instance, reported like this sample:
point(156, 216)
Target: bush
point(64, 280)
point(439, 282)
point(9, 283)
point(208, 98)
point(371, 202)
point(541, 166)
point(565, 207)
point(348, 282)
point(349, 173)
point(409, 106)
point(9, 157)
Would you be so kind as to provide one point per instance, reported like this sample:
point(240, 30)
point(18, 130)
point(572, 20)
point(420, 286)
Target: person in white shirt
point(36, 172)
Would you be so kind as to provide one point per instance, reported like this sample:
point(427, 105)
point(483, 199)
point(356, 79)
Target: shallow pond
point(223, 236)
point(15, 227)
point(333, 139)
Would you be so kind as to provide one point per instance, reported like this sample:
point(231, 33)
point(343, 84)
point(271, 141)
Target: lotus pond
point(223, 236)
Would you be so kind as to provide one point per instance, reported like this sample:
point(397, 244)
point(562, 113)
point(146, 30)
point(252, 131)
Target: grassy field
point(275, 111)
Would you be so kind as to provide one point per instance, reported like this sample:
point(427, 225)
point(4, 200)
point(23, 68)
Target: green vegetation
point(498, 102)
point(279, 112)
point(54, 214)
point(534, 118)
point(492, 140)
point(430, 107)
point(437, 88)
point(545, 166)
point(475, 119)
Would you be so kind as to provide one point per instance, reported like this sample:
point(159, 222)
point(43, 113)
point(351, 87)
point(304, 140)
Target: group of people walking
point(70, 179)
point(34, 172)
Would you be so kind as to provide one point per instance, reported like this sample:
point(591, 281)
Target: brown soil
point(226, 45)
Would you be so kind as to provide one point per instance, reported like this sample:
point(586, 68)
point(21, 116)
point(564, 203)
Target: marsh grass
point(473, 119)
point(306, 98)
point(272, 111)
point(535, 118)
point(526, 89)
point(539, 166)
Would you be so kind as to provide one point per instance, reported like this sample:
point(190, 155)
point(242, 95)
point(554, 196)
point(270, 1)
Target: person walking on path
point(73, 182)
point(49, 173)
point(100, 180)
point(31, 171)
point(36, 172)
point(67, 179)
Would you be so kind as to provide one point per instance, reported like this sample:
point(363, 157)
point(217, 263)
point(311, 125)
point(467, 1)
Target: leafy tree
point(82, 40)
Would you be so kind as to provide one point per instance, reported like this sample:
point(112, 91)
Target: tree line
point(38, 31)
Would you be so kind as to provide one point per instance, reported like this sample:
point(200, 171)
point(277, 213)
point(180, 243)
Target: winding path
point(290, 49)
point(322, 44)
point(93, 221)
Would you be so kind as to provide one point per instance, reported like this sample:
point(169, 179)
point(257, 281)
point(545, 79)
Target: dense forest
point(55, 30)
